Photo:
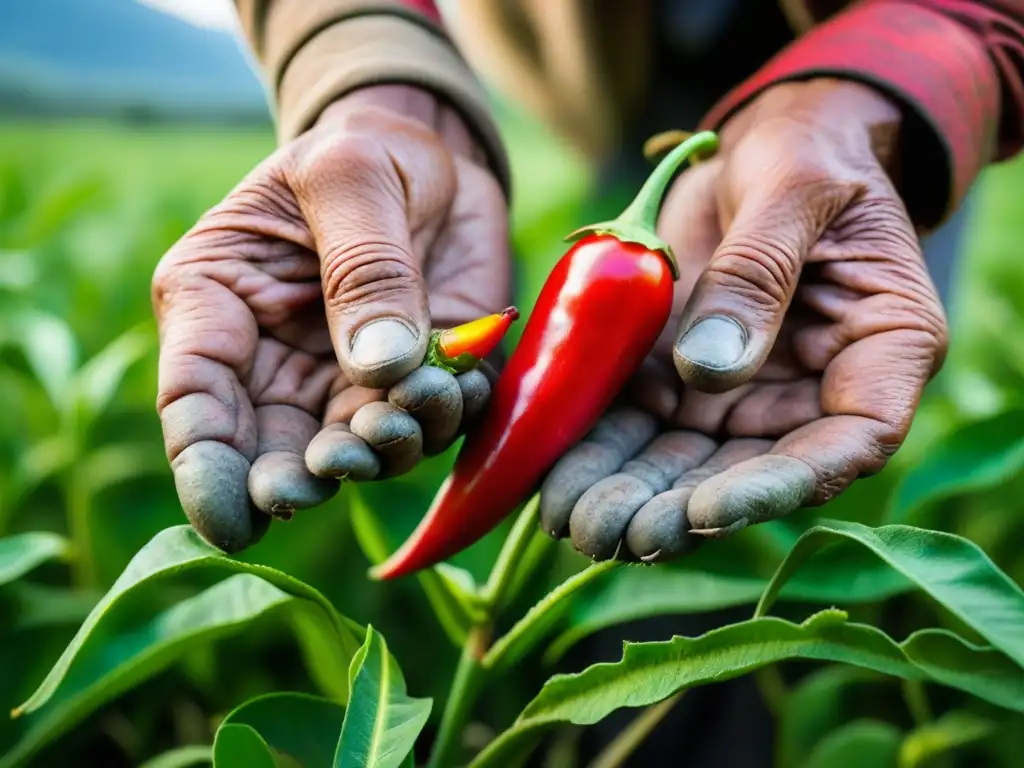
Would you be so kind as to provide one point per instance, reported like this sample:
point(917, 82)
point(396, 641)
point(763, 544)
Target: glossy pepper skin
point(461, 348)
point(598, 315)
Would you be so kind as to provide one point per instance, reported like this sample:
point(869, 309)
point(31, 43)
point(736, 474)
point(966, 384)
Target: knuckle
point(355, 273)
point(763, 271)
point(323, 157)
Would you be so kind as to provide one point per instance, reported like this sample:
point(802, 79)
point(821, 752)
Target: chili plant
point(952, 663)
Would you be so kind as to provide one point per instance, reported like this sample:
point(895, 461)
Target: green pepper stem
point(638, 223)
point(643, 211)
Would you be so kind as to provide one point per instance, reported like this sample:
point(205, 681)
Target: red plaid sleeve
point(427, 7)
point(956, 66)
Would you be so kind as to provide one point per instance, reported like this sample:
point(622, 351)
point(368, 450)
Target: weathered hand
point(807, 328)
point(299, 306)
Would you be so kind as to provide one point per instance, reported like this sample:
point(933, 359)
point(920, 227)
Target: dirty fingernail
point(714, 343)
point(753, 491)
point(381, 342)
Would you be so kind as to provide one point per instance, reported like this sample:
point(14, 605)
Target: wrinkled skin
point(824, 325)
point(820, 329)
point(267, 394)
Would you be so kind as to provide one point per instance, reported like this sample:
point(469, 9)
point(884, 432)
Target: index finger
point(207, 342)
point(869, 394)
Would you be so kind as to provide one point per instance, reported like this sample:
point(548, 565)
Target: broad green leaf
point(240, 746)
point(951, 569)
point(24, 552)
point(44, 605)
point(173, 551)
point(382, 722)
point(115, 463)
point(814, 707)
point(954, 729)
point(650, 672)
point(97, 381)
point(106, 669)
point(858, 744)
point(977, 456)
point(43, 460)
point(545, 614)
point(447, 588)
point(182, 757)
point(51, 351)
point(325, 658)
point(297, 726)
point(641, 592)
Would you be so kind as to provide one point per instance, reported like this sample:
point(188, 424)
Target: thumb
point(734, 314)
point(361, 212)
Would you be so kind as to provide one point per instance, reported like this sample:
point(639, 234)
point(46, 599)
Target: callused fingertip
point(336, 454)
point(279, 483)
point(711, 353)
point(754, 491)
point(600, 518)
point(433, 397)
point(382, 351)
point(211, 481)
point(476, 391)
point(393, 433)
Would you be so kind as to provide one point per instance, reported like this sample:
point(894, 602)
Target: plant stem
point(543, 612)
point(471, 672)
point(623, 745)
point(644, 209)
point(916, 698)
point(466, 684)
point(80, 530)
point(512, 551)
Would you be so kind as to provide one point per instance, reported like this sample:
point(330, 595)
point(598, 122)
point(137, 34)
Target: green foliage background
point(85, 212)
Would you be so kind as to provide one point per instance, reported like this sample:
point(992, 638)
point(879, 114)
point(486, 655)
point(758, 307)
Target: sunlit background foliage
point(89, 202)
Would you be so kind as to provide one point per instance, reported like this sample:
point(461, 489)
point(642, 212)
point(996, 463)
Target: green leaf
point(448, 589)
point(173, 551)
point(382, 722)
point(26, 551)
point(97, 381)
point(51, 351)
point(535, 624)
point(116, 463)
point(978, 456)
point(182, 757)
point(104, 669)
point(813, 708)
point(954, 729)
point(636, 593)
point(858, 744)
point(650, 672)
point(44, 459)
point(44, 605)
point(240, 746)
point(951, 569)
point(326, 659)
point(297, 726)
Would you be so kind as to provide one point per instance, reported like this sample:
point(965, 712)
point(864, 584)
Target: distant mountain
point(118, 57)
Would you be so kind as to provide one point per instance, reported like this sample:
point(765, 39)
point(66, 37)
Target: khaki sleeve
point(314, 51)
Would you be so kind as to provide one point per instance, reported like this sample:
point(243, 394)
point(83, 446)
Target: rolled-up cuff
point(937, 69)
point(377, 49)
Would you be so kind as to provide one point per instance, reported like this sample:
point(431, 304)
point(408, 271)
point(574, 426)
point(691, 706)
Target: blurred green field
point(86, 210)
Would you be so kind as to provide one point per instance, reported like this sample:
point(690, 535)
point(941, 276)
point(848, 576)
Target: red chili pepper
point(598, 315)
point(459, 349)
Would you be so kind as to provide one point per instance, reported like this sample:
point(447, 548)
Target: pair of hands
point(293, 318)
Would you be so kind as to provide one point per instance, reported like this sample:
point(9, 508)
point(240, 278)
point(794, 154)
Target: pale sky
point(220, 13)
point(203, 13)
